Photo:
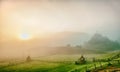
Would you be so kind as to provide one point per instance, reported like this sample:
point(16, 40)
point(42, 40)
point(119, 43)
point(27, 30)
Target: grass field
point(55, 63)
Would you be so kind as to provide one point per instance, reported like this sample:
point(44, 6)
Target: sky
point(21, 18)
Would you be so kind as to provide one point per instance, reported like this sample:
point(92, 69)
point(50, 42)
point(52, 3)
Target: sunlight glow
point(24, 36)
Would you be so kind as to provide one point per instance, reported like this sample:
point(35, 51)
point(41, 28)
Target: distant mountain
point(99, 42)
point(64, 38)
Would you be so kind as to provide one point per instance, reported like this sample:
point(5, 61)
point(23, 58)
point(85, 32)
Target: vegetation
point(61, 63)
point(101, 43)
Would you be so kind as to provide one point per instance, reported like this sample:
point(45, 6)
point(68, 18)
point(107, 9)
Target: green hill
point(99, 42)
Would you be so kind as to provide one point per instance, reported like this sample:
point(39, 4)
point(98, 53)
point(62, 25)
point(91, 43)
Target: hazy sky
point(40, 17)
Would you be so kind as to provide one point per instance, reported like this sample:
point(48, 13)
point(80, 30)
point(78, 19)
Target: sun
point(24, 36)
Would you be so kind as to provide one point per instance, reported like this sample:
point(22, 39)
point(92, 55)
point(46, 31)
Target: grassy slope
point(56, 63)
point(38, 66)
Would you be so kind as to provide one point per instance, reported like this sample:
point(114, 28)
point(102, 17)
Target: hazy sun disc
point(24, 36)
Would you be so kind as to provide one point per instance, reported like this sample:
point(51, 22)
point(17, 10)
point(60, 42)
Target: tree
point(81, 60)
point(28, 59)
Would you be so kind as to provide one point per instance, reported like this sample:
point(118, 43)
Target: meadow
point(56, 63)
